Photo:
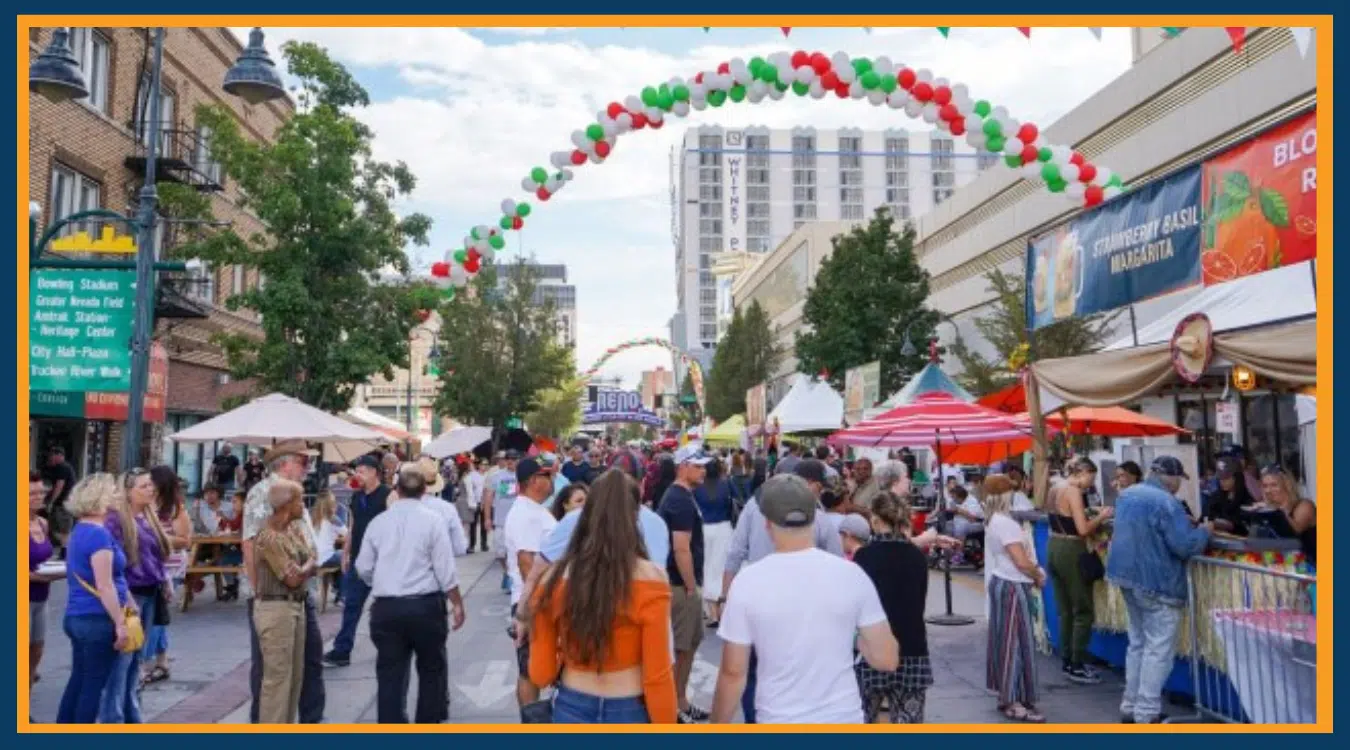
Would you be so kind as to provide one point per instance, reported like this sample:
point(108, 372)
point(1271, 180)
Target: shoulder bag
point(130, 616)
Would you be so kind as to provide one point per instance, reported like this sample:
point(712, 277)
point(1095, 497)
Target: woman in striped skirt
point(1011, 564)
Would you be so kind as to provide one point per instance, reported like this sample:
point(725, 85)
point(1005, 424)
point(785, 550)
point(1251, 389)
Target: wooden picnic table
point(204, 554)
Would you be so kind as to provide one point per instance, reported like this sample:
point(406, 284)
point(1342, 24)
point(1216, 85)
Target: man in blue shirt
point(1150, 544)
point(367, 503)
point(577, 469)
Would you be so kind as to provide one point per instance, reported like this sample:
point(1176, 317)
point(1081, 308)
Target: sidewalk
point(209, 664)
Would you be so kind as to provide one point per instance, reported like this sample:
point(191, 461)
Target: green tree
point(745, 357)
point(558, 411)
point(329, 322)
point(1005, 328)
point(866, 295)
point(499, 349)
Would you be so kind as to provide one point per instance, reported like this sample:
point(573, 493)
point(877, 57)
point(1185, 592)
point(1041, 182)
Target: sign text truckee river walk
point(80, 328)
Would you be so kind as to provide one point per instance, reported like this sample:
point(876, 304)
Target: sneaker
point(694, 715)
point(334, 659)
point(1082, 676)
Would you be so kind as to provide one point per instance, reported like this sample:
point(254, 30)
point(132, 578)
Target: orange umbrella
point(1110, 421)
point(1012, 399)
point(984, 454)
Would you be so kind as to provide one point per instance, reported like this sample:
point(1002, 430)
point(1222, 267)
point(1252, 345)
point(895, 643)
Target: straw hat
point(432, 471)
point(288, 448)
point(1193, 346)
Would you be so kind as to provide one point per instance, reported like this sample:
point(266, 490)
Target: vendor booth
point(810, 406)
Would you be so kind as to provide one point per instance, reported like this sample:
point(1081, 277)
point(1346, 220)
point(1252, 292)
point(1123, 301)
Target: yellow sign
point(107, 242)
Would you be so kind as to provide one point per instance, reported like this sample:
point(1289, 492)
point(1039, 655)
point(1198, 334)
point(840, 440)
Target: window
point(804, 211)
point(897, 179)
point(708, 175)
point(709, 210)
point(801, 194)
point(897, 195)
point(72, 193)
point(757, 227)
point(709, 244)
point(803, 177)
point(707, 295)
point(942, 149)
point(710, 192)
point(91, 51)
point(985, 160)
point(850, 144)
point(710, 226)
point(850, 178)
point(757, 160)
point(807, 161)
point(757, 193)
point(797, 224)
point(757, 244)
point(201, 284)
point(704, 260)
point(237, 280)
point(897, 153)
point(940, 195)
point(900, 211)
point(851, 213)
point(850, 195)
point(166, 113)
point(847, 161)
point(713, 142)
point(202, 160)
point(757, 176)
point(757, 210)
point(803, 143)
point(706, 159)
point(757, 143)
point(944, 179)
point(708, 333)
point(705, 278)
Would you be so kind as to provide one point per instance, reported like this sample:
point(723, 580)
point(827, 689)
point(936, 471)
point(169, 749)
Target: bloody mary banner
point(1260, 202)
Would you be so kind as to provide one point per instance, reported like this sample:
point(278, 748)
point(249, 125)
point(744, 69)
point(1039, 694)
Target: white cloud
point(472, 118)
point(528, 30)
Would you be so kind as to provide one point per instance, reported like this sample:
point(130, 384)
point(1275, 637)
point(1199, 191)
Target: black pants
point(400, 628)
point(478, 530)
point(312, 695)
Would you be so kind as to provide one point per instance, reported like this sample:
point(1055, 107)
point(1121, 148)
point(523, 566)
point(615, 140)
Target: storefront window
point(1272, 430)
point(1200, 417)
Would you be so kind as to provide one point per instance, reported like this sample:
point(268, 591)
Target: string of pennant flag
point(1302, 34)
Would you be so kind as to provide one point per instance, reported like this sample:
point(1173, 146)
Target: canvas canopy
point(810, 406)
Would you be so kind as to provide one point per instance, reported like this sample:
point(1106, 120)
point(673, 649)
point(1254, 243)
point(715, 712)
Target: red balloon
point(841, 90)
point(1093, 195)
point(698, 78)
point(820, 63)
point(1027, 133)
point(578, 157)
point(602, 149)
point(614, 110)
point(948, 111)
point(541, 194)
point(517, 222)
point(959, 126)
point(473, 254)
point(724, 68)
point(440, 269)
point(639, 121)
point(942, 95)
point(472, 265)
point(829, 79)
point(423, 315)
point(1076, 158)
point(922, 92)
point(906, 78)
point(1029, 154)
point(656, 124)
point(800, 58)
point(1086, 171)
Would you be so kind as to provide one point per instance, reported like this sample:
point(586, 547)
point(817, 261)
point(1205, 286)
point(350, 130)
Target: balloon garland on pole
point(917, 92)
point(695, 369)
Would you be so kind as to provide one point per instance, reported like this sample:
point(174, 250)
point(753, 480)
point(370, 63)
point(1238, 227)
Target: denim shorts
point(575, 707)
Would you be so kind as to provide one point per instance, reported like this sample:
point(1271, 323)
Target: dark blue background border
point(1003, 740)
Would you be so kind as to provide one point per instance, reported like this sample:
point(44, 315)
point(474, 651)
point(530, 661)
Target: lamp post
point(432, 354)
point(56, 75)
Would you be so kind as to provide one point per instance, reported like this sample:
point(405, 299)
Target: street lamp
point(56, 75)
point(909, 350)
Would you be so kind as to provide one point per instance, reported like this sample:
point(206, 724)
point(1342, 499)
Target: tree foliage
point(745, 357)
point(499, 349)
point(329, 321)
point(1005, 328)
point(868, 293)
point(558, 411)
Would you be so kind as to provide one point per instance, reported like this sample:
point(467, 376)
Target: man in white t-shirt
point(527, 527)
point(499, 491)
point(800, 609)
point(471, 490)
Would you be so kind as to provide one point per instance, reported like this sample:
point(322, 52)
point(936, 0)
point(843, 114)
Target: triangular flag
point(1096, 31)
point(1172, 31)
point(944, 30)
point(786, 30)
point(1026, 31)
point(1239, 36)
point(706, 29)
point(1302, 38)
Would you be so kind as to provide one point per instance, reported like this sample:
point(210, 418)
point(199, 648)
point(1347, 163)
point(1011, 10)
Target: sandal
point(158, 674)
point(1018, 712)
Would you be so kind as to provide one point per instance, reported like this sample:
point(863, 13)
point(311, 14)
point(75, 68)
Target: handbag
point(1090, 567)
point(162, 615)
point(539, 712)
point(132, 619)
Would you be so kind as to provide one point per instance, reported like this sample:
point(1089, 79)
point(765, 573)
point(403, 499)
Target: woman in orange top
point(601, 628)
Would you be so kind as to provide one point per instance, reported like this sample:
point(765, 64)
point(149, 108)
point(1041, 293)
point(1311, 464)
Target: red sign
point(1260, 203)
point(114, 406)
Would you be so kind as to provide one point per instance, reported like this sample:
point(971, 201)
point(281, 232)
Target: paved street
point(209, 646)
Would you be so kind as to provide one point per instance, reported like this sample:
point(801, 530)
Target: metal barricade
point(1253, 640)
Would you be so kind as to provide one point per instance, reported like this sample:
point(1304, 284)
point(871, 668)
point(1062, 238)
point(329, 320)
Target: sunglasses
point(1274, 470)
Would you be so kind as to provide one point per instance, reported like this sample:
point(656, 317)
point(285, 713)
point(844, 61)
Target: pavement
point(209, 664)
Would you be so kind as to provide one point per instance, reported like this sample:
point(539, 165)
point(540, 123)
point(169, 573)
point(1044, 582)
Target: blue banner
point(1140, 245)
point(617, 406)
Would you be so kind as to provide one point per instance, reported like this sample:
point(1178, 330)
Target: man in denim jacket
point(1150, 545)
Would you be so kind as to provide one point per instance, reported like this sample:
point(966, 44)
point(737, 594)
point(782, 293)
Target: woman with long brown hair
point(601, 629)
point(1070, 528)
point(170, 511)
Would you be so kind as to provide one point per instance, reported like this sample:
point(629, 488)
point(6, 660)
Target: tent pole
point(947, 618)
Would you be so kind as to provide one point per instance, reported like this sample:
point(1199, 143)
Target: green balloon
point(781, 86)
point(649, 96)
point(737, 93)
point(505, 223)
point(800, 89)
point(595, 131)
point(497, 242)
point(995, 143)
point(1057, 186)
point(769, 73)
point(539, 175)
point(522, 210)
point(448, 292)
point(982, 108)
point(680, 92)
point(1115, 181)
point(861, 65)
point(1044, 155)
point(870, 80)
point(888, 84)
point(992, 128)
point(1013, 160)
point(474, 233)
point(755, 64)
point(1050, 172)
point(717, 98)
point(665, 101)
point(461, 256)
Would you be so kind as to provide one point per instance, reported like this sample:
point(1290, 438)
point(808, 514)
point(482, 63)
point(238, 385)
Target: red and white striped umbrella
point(934, 419)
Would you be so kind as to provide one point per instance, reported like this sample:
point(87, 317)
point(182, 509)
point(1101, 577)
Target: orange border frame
point(1325, 458)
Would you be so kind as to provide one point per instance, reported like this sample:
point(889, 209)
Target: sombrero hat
point(1193, 347)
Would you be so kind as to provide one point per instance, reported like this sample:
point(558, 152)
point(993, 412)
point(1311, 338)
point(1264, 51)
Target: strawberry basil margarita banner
point(879, 81)
point(695, 369)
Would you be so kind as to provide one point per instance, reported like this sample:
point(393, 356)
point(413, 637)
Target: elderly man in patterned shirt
point(287, 460)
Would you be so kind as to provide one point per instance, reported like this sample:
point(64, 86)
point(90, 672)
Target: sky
point(473, 110)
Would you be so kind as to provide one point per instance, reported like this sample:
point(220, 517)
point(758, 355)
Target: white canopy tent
point(456, 441)
point(277, 417)
point(810, 406)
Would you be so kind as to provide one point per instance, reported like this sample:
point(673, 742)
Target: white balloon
point(856, 90)
point(973, 136)
point(624, 120)
point(929, 114)
point(897, 99)
point(1070, 173)
point(883, 66)
point(632, 104)
point(776, 93)
point(654, 114)
point(611, 131)
point(724, 81)
point(1104, 175)
point(579, 139)
point(755, 97)
point(595, 159)
point(1110, 192)
point(509, 207)
point(458, 275)
point(739, 71)
point(817, 90)
point(940, 82)
point(960, 91)
point(781, 60)
point(1012, 146)
point(840, 60)
point(963, 104)
point(759, 88)
point(489, 254)
point(999, 112)
point(877, 97)
point(680, 109)
point(567, 174)
point(924, 74)
point(696, 92)
point(977, 140)
point(805, 74)
point(698, 104)
point(1075, 190)
point(559, 158)
point(528, 185)
point(1032, 171)
point(913, 108)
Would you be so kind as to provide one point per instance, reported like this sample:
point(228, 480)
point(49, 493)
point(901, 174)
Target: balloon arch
point(691, 364)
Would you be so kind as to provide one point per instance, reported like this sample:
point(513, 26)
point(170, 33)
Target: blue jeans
point(354, 594)
point(575, 707)
point(121, 702)
point(1148, 662)
point(748, 695)
point(92, 657)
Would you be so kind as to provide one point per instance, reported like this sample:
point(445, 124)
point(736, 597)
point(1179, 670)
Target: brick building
point(91, 154)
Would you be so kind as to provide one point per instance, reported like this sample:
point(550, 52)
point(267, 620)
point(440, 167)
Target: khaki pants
point(281, 638)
